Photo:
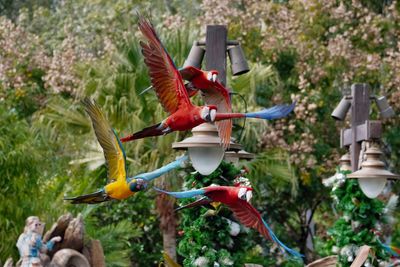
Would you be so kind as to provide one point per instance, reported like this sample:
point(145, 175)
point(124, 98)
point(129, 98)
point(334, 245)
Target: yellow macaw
point(120, 186)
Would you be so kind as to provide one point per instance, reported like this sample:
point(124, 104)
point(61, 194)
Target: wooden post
point(216, 38)
point(359, 114)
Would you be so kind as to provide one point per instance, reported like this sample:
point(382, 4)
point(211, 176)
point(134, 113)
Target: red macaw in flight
point(213, 93)
point(237, 198)
point(171, 92)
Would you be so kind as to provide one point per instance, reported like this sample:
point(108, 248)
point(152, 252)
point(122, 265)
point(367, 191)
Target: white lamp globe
point(204, 148)
point(205, 160)
point(372, 187)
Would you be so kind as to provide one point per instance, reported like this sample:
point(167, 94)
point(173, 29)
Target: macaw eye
point(205, 113)
point(242, 193)
point(249, 195)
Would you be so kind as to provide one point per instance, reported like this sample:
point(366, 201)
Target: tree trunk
point(168, 221)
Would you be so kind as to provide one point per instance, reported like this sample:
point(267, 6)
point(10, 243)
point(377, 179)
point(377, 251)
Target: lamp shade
point(235, 156)
point(204, 147)
point(195, 57)
point(238, 61)
point(341, 110)
point(372, 175)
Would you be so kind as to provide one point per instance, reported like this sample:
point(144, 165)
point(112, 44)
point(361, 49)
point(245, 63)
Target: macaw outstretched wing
point(165, 78)
point(109, 141)
point(217, 95)
point(250, 217)
point(148, 176)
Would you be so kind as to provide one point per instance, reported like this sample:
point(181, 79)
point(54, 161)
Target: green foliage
point(205, 231)
point(361, 218)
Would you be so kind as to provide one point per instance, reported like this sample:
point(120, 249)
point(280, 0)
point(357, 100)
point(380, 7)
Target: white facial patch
point(242, 193)
point(204, 113)
point(214, 77)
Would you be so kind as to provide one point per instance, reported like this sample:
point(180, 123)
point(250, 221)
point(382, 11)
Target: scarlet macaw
point(237, 198)
point(120, 186)
point(213, 93)
point(171, 92)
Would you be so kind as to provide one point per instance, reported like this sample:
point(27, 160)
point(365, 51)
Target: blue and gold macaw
point(120, 186)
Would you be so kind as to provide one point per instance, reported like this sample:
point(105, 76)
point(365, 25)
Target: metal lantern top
point(204, 135)
point(373, 166)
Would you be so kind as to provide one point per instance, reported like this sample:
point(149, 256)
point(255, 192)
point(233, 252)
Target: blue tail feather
point(183, 194)
point(283, 246)
point(148, 176)
point(275, 112)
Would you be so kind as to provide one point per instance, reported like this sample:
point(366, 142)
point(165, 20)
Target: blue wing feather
point(148, 176)
point(183, 194)
point(275, 112)
point(275, 239)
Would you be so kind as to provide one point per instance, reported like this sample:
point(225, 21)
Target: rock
point(45, 259)
point(69, 258)
point(73, 237)
point(94, 253)
point(9, 263)
point(58, 229)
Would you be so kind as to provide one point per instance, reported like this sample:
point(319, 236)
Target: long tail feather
point(148, 176)
point(93, 198)
point(200, 202)
point(276, 112)
point(283, 246)
point(392, 250)
point(154, 130)
point(183, 194)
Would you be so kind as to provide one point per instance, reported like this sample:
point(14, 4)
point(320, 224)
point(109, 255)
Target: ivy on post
point(360, 224)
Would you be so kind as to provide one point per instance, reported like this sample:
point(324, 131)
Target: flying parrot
point(120, 186)
point(171, 92)
point(213, 93)
point(237, 198)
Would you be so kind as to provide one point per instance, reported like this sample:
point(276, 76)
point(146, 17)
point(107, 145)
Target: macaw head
point(245, 193)
point(208, 113)
point(212, 75)
point(136, 185)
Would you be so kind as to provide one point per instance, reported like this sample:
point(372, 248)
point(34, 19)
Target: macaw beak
point(249, 195)
point(214, 77)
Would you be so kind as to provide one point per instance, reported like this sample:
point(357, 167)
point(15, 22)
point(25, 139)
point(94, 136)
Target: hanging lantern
point(372, 175)
point(344, 165)
point(235, 156)
point(204, 148)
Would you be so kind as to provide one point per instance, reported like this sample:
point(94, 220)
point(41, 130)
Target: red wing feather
point(249, 217)
point(165, 78)
point(219, 96)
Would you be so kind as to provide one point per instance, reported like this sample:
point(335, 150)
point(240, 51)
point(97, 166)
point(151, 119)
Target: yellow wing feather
point(113, 150)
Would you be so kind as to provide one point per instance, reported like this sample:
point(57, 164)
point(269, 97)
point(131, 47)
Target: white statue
point(30, 243)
